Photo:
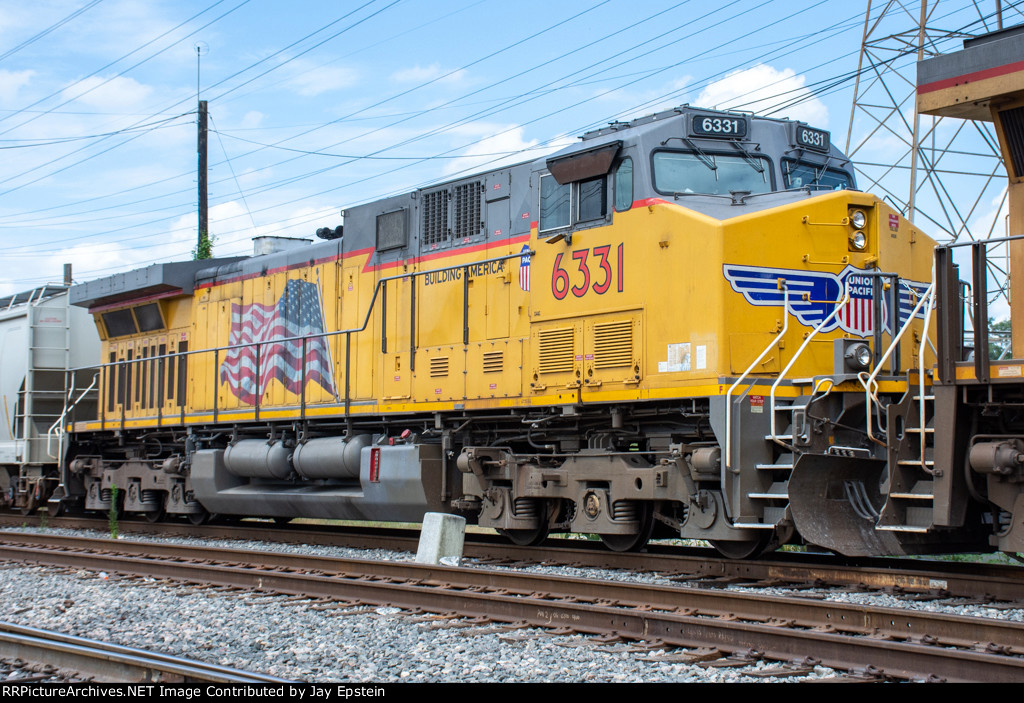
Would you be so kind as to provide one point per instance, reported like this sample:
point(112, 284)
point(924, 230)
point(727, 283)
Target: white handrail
point(727, 464)
point(60, 420)
point(920, 377)
point(869, 382)
point(771, 396)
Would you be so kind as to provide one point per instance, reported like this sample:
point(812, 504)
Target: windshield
point(716, 174)
point(798, 174)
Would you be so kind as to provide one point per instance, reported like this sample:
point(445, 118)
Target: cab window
point(801, 174)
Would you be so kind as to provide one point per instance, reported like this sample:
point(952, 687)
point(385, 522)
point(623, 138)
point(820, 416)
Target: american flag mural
point(524, 268)
point(298, 313)
point(857, 316)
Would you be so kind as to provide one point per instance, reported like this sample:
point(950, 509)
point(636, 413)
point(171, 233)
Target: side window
point(591, 199)
point(624, 185)
point(554, 204)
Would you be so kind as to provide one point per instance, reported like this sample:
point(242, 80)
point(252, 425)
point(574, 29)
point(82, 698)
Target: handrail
point(381, 282)
point(782, 375)
point(727, 464)
point(920, 380)
point(60, 420)
point(869, 382)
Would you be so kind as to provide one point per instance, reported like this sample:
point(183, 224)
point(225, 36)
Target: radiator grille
point(613, 344)
point(557, 348)
point(467, 210)
point(438, 366)
point(494, 362)
point(434, 210)
point(1013, 130)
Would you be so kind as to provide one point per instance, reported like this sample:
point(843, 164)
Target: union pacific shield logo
point(813, 295)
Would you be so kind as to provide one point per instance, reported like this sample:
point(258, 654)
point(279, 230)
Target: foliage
point(204, 247)
point(112, 513)
point(999, 339)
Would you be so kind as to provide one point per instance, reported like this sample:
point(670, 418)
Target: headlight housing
point(858, 219)
point(858, 241)
point(858, 356)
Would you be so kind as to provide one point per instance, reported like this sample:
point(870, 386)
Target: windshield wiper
point(749, 158)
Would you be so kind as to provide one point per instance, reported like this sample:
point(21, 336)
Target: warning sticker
point(757, 403)
point(678, 358)
point(1009, 371)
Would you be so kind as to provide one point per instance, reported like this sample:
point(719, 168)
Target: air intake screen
point(391, 230)
point(467, 210)
point(434, 219)
point(1013, 131)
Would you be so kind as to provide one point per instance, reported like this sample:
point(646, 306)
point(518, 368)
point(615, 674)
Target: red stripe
point(971, 77)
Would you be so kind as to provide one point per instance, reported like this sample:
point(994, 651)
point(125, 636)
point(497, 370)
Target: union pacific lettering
point(487, 268)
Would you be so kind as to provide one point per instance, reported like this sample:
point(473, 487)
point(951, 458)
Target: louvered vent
point(467, 210)
point(613, 344)
point(494, 362)
point(438, 366)
point(434, 209)
point(556, 350)
point(1013, 130)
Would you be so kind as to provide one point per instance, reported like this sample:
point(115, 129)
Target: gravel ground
point(296, 641)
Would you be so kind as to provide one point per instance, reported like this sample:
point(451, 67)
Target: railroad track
point(88, 659)
point(984, 582)
point(895, 643)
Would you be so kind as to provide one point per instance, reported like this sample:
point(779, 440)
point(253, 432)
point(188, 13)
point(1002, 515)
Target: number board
point(808, 138)
point(719, 126)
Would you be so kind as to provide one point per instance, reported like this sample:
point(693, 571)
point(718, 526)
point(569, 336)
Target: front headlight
point(858, 219)
point(858, 356)
point(858, 240)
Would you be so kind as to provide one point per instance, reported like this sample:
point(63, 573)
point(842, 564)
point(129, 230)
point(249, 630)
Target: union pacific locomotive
point(691, 324)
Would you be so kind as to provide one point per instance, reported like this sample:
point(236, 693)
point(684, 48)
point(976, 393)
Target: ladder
point(41, 398)
point(910, 506)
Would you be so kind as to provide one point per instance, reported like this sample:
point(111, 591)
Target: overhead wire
point(431, 157)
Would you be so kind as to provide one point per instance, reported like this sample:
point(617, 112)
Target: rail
point(869, 381)
point(379, 292)
point(799, 352)
point(727, 465)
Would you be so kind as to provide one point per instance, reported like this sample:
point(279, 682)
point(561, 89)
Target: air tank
point(330, 457)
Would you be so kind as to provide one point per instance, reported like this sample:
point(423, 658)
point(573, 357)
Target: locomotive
point(689, 324)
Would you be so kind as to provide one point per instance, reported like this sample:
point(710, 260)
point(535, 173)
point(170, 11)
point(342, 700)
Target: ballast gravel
point(291, 639)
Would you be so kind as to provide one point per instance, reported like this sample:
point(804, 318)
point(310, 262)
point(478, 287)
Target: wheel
point(282, 520)
point(636, 541)
point(199, 518)
point(745, 549)
point(526, 538)
point(154, 515)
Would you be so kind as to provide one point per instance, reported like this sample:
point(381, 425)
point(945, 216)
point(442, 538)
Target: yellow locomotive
point(654, 329)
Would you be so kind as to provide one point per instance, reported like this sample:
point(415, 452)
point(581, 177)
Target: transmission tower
point(945, 174)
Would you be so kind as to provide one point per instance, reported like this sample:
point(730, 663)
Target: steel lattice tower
point(945, 174)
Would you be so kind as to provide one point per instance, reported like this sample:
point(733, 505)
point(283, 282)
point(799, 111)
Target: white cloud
point(763, 87)
point(311, 82)
point(252, 119)
point(492, 151)
point(422, 74)
point(11, 82)
point(118, 94)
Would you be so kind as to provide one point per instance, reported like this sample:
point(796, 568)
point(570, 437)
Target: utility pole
point(203, 247)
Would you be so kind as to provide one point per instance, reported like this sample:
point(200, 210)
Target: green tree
point(999, 339)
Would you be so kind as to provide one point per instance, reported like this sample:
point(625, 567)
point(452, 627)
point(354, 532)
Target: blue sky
point(319, 105)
